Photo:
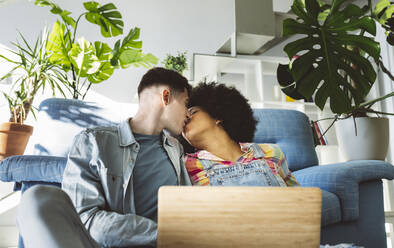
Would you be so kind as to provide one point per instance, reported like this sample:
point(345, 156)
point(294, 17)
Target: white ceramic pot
point(372, 138)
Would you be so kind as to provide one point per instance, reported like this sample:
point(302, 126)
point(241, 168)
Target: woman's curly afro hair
point(229, 106)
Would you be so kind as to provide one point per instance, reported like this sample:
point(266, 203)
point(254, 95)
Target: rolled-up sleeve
point(82, 182)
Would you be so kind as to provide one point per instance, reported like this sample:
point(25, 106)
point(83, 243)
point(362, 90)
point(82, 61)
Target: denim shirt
point(98, 171)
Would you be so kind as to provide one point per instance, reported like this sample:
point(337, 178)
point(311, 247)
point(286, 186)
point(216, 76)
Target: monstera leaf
point(59, 45)
point(324, 47)
point(285, 79)
point(129, 52)
point(137, 58)
point(104, 54)
point(106, 16)
point(55, 9)
point(83, 57)
point(384, 12)
point(129, 43)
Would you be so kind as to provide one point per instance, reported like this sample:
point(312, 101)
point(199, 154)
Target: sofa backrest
point(289, 129)
point(59, 120)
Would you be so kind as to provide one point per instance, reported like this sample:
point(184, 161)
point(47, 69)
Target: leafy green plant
point(332, 60)
point(86, 62)
point(177, 63)
point(384, 13)
point(31, 71)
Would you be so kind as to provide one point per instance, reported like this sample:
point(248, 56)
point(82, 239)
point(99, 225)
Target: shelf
point(309, 105)
point(208, 64)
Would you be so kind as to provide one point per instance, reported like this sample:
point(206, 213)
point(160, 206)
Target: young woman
point(221, 127)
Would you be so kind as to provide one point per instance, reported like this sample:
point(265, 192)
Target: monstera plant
point(333, 59)
point(86, 62)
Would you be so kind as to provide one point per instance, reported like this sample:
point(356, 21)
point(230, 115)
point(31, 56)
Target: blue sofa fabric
point(331, 209)
point(32, 168)
point(343, 179)
point(369, 229)
point(291, 131)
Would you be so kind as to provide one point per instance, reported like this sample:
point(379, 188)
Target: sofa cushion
point(59, 120)
point(289, 129)
point(32, 168)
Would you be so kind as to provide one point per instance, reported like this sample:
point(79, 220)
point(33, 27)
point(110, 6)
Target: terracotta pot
point(13, 138)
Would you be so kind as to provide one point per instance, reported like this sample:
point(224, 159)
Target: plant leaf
point(59, 45)
point(55, 9)
point(106, 16)
point(83, 57)
point(137, 58)
point(323, 47)
point(133, 46)
point(104, 54)
point(383, 11)
point(130, 40)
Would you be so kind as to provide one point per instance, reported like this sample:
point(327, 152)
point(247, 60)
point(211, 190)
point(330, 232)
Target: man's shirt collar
point(127, 138)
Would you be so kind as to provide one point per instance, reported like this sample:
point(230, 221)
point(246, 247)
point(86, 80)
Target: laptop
point(238, 217)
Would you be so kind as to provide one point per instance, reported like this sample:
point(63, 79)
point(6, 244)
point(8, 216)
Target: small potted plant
point(333, 63)
point(32, 71)
point(177, 63)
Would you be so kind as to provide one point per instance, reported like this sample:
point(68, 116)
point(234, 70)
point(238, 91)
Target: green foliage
point(177, 63)
point(329, 61)
point(104, 54)
point(59, 45)
point(83, 57)
point(93, 62)
point(384, 13)
point(32, 70)
point(106, 16)
point(55, 9)
point(129, 52)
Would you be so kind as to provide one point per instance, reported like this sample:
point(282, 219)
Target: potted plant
point(32, 71)
point(177, 63)
point(85, 62)
point(64, 62)
point(334, 64)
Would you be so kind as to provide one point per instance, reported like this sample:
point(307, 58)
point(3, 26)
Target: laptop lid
point(239, 217)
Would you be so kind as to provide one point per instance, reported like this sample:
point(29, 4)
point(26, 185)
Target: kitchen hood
point(256, 27)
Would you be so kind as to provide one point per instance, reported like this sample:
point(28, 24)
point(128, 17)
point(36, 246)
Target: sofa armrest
point(343, 180)
point(32, 168)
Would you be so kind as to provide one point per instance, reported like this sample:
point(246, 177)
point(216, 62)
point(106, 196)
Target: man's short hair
point(161, 76)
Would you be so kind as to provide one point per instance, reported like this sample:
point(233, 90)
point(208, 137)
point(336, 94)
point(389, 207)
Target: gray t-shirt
point(153, 169)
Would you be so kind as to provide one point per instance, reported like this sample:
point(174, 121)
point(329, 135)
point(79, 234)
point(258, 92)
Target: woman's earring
point(217, 122)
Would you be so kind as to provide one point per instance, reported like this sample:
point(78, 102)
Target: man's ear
point(165, 96)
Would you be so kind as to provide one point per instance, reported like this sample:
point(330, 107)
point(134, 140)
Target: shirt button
point(132, 160)
point(124, 185)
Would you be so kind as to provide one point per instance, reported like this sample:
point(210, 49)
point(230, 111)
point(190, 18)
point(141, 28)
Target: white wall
point(166, 27)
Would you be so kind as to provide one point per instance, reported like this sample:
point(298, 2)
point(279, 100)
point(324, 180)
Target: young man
point(113, 174)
